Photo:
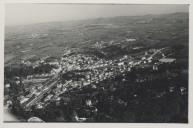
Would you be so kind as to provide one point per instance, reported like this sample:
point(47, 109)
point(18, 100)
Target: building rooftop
point(167, 60)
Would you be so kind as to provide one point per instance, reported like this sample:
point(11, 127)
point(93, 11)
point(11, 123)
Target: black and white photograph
point(96, 63)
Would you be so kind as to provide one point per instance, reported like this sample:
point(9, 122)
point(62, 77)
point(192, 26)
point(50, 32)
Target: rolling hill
point(115, 36)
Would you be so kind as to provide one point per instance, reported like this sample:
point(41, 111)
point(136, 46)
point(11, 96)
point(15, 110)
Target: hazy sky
point(19, 14)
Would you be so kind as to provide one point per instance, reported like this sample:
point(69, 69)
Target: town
point(96, 63)
point(82, 87)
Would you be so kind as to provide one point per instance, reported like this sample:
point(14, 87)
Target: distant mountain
point(117, 32)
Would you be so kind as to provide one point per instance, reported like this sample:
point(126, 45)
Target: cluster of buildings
point(86, 70)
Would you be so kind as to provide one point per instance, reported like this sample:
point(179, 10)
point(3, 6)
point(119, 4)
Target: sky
point(29, 13)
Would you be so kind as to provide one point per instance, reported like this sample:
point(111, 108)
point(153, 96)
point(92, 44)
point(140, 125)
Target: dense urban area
point(121, 69)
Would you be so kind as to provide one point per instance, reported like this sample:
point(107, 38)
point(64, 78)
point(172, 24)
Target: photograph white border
point(96, 125)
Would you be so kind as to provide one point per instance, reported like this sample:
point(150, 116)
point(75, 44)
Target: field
point(114, 34)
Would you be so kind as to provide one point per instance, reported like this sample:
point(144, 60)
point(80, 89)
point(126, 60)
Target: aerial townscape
point(117, 69)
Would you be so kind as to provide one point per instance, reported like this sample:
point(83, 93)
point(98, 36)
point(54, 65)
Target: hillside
point(118, 34)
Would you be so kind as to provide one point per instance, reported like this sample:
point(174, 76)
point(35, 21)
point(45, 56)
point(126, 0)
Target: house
point(23, 100)
point(88, 102)
point(155, 67)
point(7, 85)
point(130, 39)
point(167, 60)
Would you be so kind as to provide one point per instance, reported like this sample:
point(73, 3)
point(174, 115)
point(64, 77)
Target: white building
point(167, 60)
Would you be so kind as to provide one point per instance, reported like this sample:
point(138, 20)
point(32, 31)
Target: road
point(48, 85)
point(39, 97)
point(158, 51)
